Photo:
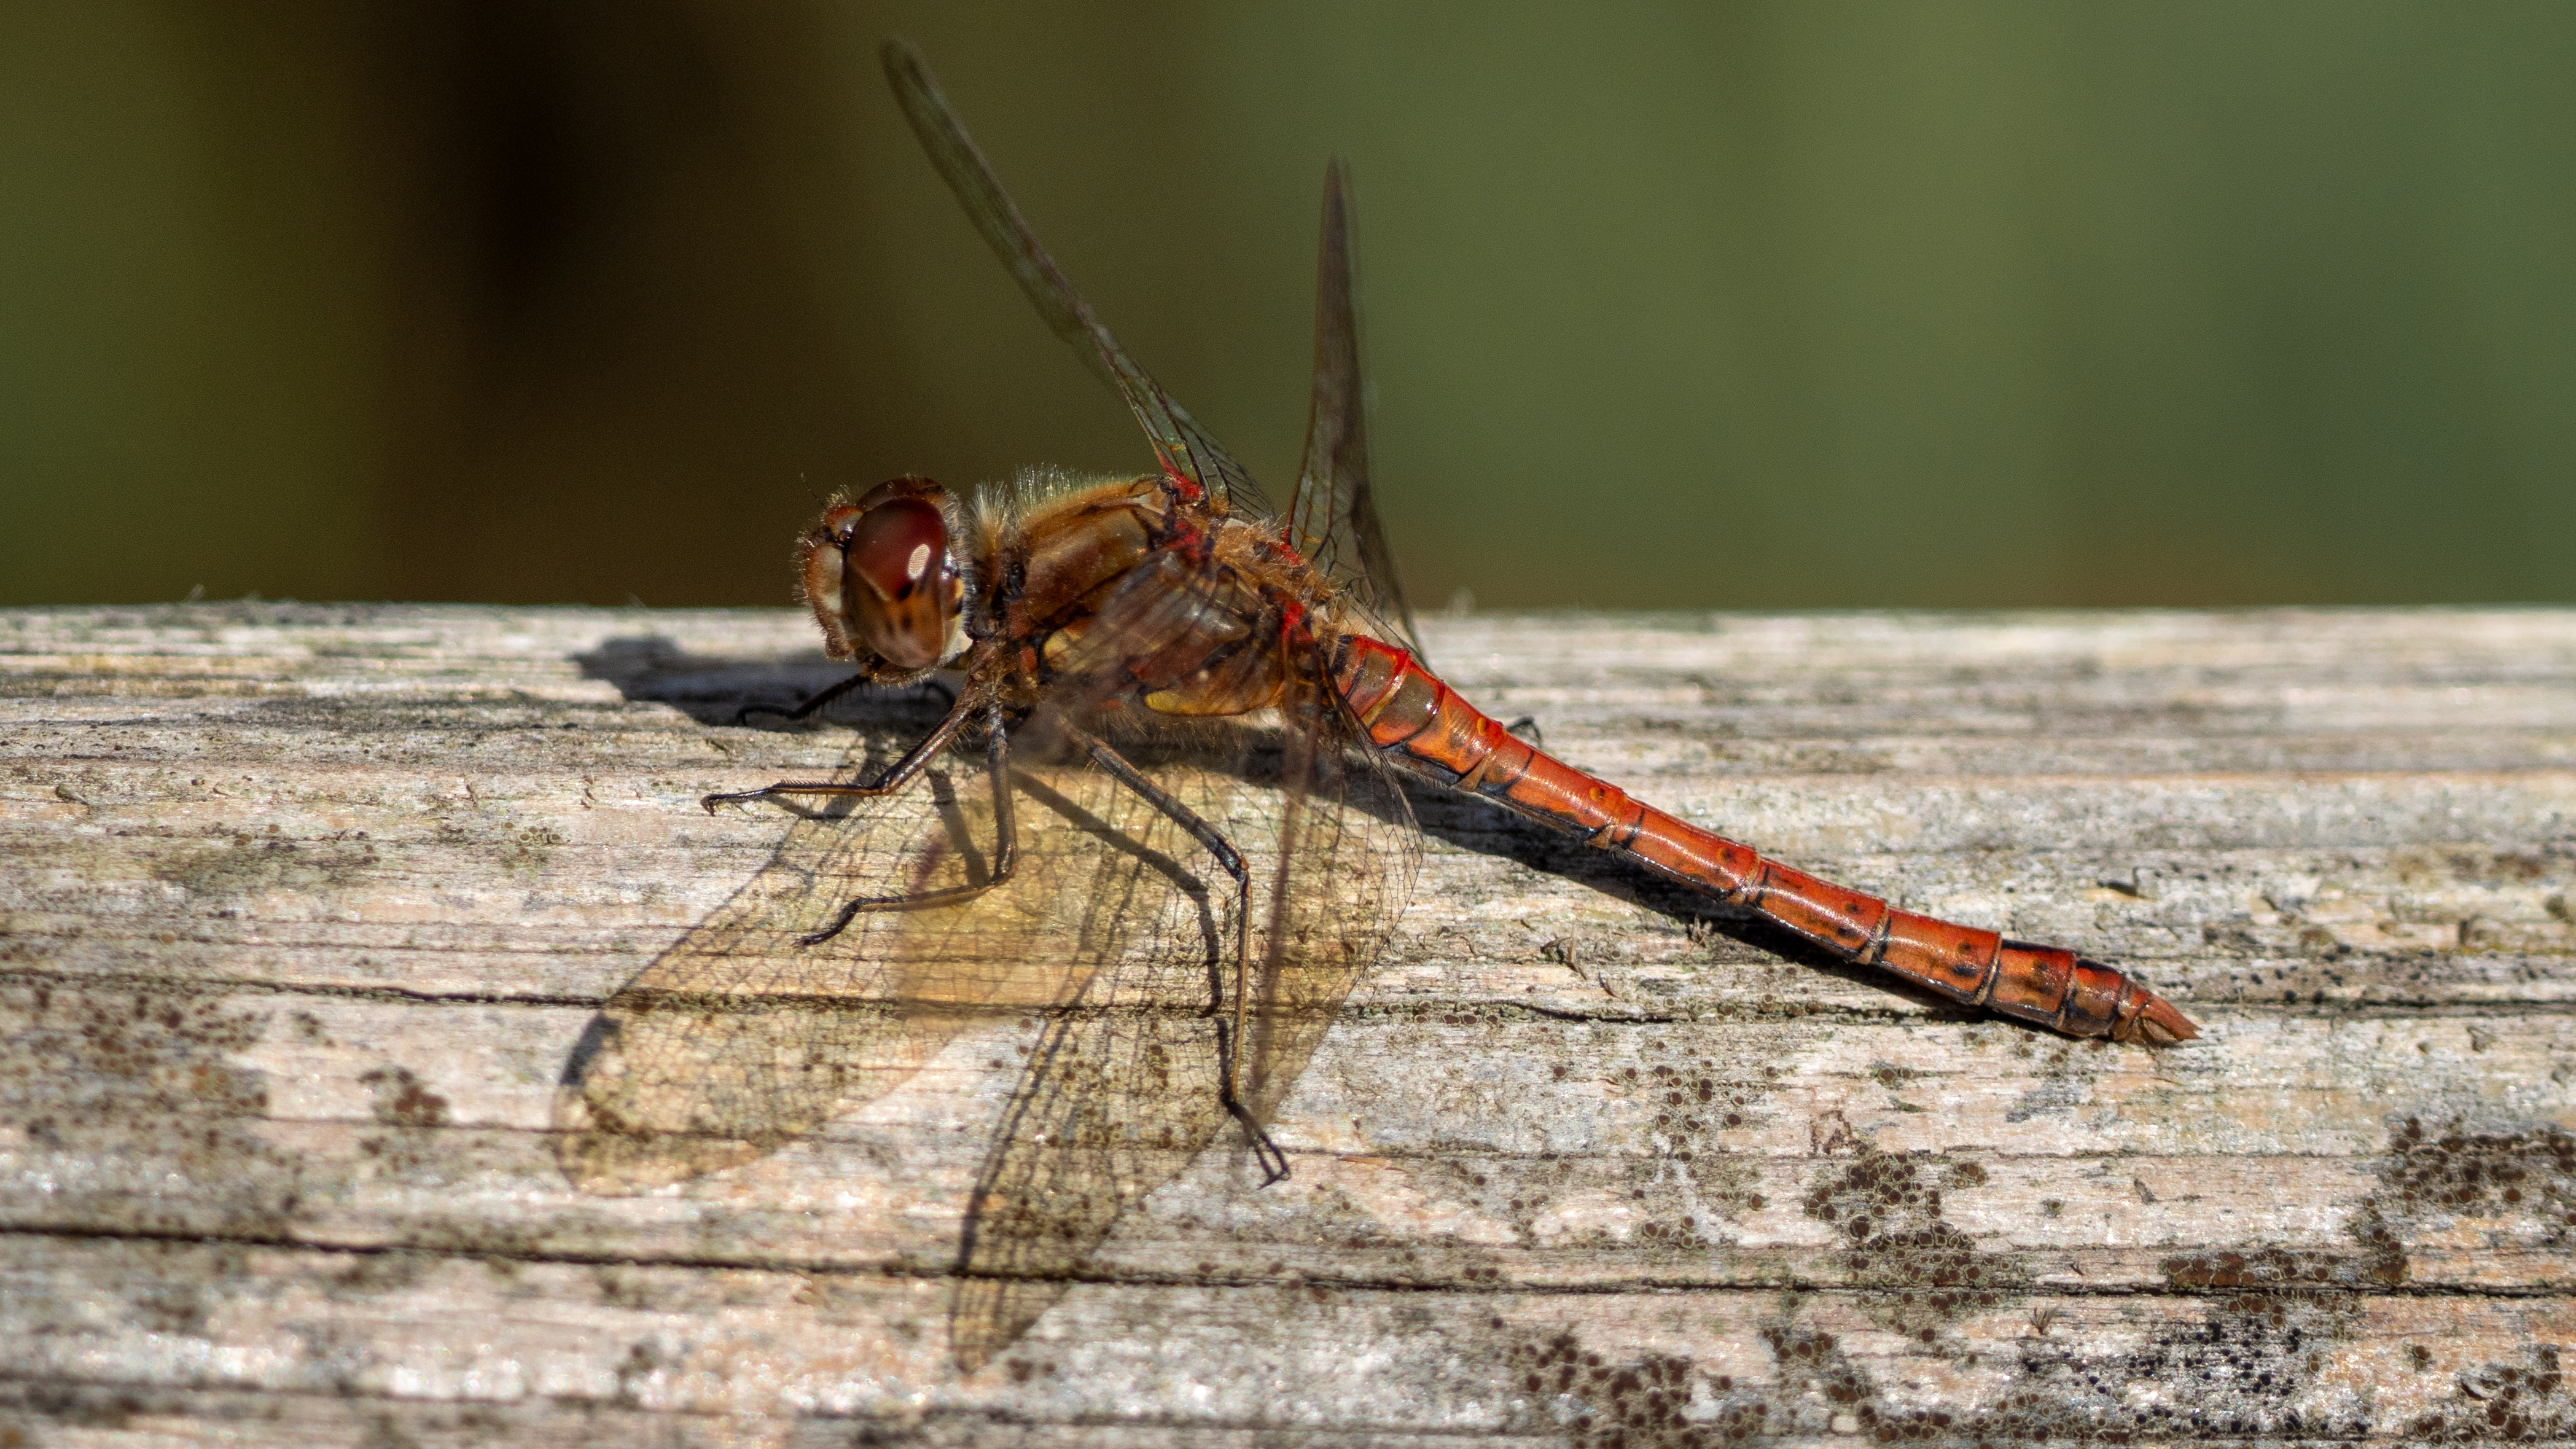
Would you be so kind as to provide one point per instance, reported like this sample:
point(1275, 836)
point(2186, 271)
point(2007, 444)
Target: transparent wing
point(1121, 1094)
point(1184, 448)
point(1346, 841)
point(1117, 931)
point(740, 1039)
point(1347, 853)
point(1333, 520)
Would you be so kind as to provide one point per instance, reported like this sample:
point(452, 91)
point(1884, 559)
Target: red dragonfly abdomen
point(1406, 711)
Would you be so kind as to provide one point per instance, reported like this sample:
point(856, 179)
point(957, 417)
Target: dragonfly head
point(883, 579)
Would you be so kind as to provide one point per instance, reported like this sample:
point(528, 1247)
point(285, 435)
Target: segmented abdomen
point(1406, 711)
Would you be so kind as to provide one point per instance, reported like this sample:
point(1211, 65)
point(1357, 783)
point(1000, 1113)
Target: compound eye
point(897, 548)
point(900, 597)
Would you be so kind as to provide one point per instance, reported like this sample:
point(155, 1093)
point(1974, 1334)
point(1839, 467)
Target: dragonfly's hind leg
point(1274, 1162)
point(1006, 835)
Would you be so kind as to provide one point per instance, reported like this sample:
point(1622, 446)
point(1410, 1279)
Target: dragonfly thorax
point(885, 581)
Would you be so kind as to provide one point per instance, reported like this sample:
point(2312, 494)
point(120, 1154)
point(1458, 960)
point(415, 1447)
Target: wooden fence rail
point(305, 911)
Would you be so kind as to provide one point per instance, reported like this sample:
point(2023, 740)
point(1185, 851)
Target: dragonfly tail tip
point(2158, 1024)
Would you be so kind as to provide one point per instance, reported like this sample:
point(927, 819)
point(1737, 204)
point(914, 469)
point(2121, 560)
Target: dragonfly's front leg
point(1006, 835)
point(897, 775)
point(813, 702)
point(1274, 1163)
point(824, 696)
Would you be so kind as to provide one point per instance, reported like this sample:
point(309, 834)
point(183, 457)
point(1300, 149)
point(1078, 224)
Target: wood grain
point(303, 910)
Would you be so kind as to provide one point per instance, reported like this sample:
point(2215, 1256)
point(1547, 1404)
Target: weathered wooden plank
point(1684, 1153)
point(397, 1333)
point(302, 911)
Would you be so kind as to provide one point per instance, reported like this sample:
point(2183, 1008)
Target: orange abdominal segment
point(1408, 713)
point(1836, 916)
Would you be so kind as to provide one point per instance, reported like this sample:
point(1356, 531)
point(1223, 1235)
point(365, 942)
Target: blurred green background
point(1752, 305)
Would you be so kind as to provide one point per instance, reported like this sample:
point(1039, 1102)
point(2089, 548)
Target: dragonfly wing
point(1339, 879)
point(1342, 846)
point(740, 1038)
point(1333, 520)
point(1122, 1093)
point(1116, 1104)
point(1184, 448)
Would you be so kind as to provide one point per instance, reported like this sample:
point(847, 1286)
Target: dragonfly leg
point(897, 775)
point(813, 702)
point(1274, 1162)
point(1006, 846)
point(827, 694)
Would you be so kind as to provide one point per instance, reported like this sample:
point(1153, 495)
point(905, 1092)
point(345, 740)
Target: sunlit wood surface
point(304, 908)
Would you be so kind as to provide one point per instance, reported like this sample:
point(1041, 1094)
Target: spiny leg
point(1274, 1162)
point(897, 775)
point(1006, 834)
point(1006, 849)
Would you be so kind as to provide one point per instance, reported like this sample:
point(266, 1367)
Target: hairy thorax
point(1109, 587)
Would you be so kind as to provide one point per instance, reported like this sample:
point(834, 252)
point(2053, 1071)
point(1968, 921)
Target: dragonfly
point(1195, 714)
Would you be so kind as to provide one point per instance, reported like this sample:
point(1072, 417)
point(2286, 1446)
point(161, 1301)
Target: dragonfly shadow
point(1488, 830)
point(715, 689)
